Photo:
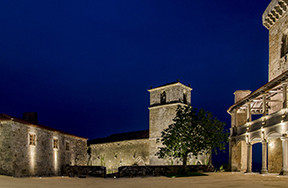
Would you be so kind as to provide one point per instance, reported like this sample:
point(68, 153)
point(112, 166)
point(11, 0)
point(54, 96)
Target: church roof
point(121, 137)
point(5, 117)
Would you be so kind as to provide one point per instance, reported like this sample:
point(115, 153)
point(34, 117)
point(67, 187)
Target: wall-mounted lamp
point(263, 121)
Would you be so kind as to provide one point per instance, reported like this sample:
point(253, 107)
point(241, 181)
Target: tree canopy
point(193, 132)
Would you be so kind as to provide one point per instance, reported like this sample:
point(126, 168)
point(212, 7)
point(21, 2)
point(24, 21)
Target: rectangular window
point(32, 139)
point(67, 146)
point(55, 143)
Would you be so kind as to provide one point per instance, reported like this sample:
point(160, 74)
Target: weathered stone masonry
point(45, 155)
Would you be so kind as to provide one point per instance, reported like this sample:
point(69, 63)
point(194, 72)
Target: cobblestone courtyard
point(213, 180)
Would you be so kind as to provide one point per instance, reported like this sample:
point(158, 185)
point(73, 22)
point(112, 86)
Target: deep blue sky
point(85, 66)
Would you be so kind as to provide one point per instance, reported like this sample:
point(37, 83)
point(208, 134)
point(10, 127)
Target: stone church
point(28, 148)
point(140, 147)
point(261, 117)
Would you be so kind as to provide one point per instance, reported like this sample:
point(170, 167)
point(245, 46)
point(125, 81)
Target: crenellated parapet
point(275, 10)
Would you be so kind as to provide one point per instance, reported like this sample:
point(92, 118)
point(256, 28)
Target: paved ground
point(213, 180)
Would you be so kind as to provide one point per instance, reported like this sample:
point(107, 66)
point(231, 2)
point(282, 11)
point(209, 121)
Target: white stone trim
point(169, 85)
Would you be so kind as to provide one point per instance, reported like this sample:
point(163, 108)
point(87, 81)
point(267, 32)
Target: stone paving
point(214, 180)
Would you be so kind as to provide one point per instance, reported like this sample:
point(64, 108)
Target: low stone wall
point(132, 171)
point(83, 171)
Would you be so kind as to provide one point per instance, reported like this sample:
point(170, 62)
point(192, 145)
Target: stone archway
point(256, 154)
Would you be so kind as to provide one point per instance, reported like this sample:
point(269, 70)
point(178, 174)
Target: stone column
point(264, 157)
point(249, 157)
point(285, 95)
point(249, 117)
point(264, 105)
point(284, 170)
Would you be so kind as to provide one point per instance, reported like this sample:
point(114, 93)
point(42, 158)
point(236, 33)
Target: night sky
point(85, 66)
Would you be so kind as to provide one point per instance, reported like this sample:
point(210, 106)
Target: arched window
point(184, 98)
point(284, 45)
point(163, 97)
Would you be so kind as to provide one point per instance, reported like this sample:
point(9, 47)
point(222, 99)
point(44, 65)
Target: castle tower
point(275, 20)
point(164, 101)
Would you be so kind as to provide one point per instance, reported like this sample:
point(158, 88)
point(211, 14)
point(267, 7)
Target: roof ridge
point(19, 120)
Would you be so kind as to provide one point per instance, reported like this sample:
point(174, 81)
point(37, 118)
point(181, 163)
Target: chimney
point(30, 117)
point(240, 94)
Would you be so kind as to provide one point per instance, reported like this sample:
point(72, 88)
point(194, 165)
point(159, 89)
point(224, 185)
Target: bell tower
point(164, 101)
point(275, 20)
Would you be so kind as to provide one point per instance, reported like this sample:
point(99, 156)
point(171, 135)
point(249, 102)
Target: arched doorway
point(257, 157)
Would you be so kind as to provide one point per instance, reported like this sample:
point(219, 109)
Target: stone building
point(139, 148)
point(30, 149)
point(269, 102)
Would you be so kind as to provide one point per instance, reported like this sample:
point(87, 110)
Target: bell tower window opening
point(163, 97)
point(67, 146)
point(184, 98)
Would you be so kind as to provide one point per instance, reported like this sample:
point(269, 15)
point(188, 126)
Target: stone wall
point(83, 171)
point(6, 154)
point(236, 157)
point(239, 157)
point(276, 106)
point(277, 64)
point(115, 154)
point(40, 159)
point(275, 155)
point(134, 171)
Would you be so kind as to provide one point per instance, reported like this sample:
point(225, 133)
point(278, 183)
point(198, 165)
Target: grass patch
point(189, 174)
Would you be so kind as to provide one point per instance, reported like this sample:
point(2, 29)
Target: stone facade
point(164, 101)
point(269, 102)
point(275, 18)
point(275, 155)
point(124, 153)
point(34, 150)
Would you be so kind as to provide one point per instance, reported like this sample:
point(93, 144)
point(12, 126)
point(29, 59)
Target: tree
point(193, 132)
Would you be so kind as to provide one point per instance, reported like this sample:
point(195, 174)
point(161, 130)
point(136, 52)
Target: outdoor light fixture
point(247, 137)
point(263, 121)
point(271, 144)
point(262, 132)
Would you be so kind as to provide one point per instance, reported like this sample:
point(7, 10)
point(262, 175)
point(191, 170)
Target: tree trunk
point(184, 170)
point(210, 159)
point(185, 160)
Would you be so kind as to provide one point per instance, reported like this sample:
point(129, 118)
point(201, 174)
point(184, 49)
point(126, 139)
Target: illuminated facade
point(31, 149)
point(269, 101)
point(139, 148)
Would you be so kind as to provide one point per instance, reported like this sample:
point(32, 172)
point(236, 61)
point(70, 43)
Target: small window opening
point(284, 46)
point(184, 98)
point(32, 139)
point(55, 143)
point(163, 97)
point(67, 146)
